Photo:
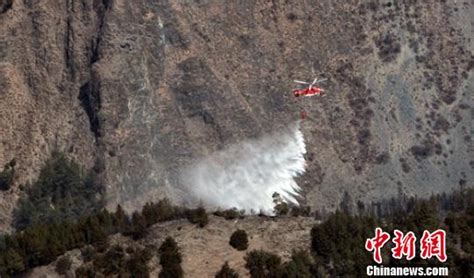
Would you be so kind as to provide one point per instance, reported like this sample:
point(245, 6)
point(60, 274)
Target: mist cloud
point(245, 175)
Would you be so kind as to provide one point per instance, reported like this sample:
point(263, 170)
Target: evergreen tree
point(150, 214)
point(137, 265)
point(262, 264)
point(170, 259)
point(139, 227)
point(226, 272)
point(63, 265)
point(11, 263)
point(300, 266)
point(121, 221)
point(85, 271)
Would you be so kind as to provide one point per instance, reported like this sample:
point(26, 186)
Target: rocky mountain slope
point(138, 90)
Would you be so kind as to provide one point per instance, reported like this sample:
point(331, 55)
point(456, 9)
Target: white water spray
point(246, 175)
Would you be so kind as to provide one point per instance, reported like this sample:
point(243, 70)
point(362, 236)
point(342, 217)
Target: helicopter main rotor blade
point(321, 80)
point(300, 82)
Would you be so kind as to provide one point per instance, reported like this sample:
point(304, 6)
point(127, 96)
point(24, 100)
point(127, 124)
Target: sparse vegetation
point(239, 240)
point(230, 214)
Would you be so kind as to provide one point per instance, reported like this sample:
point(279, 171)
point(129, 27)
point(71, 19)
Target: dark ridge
point(69, 48)
point(89, 95)
point(101, 9)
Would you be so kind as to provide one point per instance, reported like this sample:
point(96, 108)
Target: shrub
point(6, 176)
point(239, 240)
point(230, 214)
point(300, 211)
point(281, 207)
point(226, 272)
point(63, 265)
point(198, 216)
point(389, 47)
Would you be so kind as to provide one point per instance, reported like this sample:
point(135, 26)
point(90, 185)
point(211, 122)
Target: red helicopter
point(308, 92)
point(311, 90)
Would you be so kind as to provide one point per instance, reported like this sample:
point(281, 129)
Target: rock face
point(139, 89)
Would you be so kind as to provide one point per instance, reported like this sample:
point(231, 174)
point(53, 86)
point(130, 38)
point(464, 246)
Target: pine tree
point(139, 228)
point(170, 259)
point(63, 265)
point(262, 264)
point(150, 214)
point(13, 263)
point(226, 272)
point(121, 221)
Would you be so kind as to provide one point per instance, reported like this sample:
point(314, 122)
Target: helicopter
point(311, 90)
